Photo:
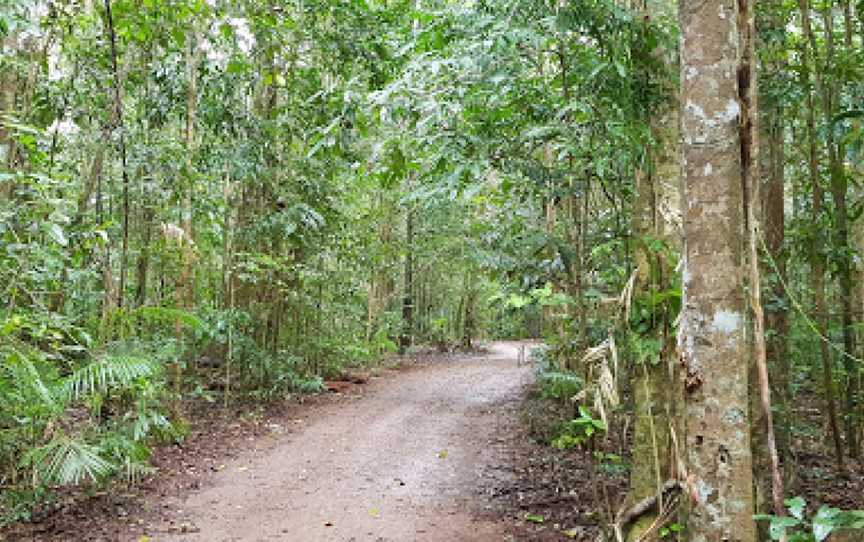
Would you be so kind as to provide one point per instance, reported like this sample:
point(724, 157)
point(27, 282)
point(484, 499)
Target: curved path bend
point(398, 463)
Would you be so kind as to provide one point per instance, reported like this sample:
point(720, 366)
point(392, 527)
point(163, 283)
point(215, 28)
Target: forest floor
point(432, 450)
point(438, 448)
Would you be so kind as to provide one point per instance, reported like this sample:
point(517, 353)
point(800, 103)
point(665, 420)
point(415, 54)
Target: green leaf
point(169, 315)
point(56, 233)
point(535, 518)
point(796, 507)
point(236, 66)
point(517, 301)
point(824, 522)
point(779, 525)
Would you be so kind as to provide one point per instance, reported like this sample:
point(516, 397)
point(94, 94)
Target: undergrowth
point(80, 412)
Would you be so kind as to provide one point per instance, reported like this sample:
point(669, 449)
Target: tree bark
point(9, 82)
point(712, 339)
point(653, 382)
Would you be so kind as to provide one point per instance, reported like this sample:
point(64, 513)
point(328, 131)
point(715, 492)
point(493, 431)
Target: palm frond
point(106, 373)
point(67, 461)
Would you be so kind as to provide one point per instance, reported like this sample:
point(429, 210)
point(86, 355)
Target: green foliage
point(70, 417)
point(274, 242)
point(798, 527)
point(610, 463)
point(106, 374)
point(67, 461)
point(559, 386)
point(579, 430)
point(672, 531)
point(543, 297)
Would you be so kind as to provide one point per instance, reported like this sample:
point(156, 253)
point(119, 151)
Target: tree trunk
point(143, 268)
point(839, 188)
point(185, 289)
point(407, 298)
point(118, 123)
point(750, 173)
point(773, 220)
point(8, 92)
point(469, 321)
point(766, 198)
point(653, 382)
point(713, 344)
point(8, 83)
point(817, 276)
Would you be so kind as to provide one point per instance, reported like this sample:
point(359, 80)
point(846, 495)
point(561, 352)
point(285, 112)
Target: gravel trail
point(396, 464)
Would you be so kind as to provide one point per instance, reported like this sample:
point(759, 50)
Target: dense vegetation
point(232, 200)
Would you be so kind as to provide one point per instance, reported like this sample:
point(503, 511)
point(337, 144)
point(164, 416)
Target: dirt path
point(397, 464)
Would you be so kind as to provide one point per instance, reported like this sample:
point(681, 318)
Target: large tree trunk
point(653, 381)
point(712, 338)
point(858, 297)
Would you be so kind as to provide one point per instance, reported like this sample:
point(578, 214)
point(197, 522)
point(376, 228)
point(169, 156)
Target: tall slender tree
point(713, 343)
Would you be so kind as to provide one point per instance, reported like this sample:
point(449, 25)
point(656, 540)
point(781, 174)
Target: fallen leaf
point(442, 454)
point(374, 512)
point(534, 518)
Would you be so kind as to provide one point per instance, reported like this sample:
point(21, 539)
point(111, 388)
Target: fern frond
point(107, 373)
